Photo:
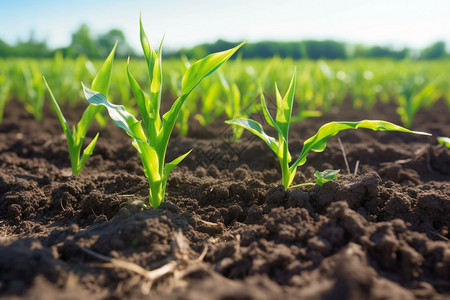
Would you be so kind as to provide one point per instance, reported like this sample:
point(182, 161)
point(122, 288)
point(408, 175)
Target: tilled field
point(228, 229)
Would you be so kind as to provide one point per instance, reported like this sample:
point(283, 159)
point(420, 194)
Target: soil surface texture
point(227, 229)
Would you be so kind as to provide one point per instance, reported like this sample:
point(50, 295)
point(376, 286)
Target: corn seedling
point(239, 103)
point(364, 91)
point(76, 138)
point(4, 94)
point(305, 94)
point(315, 143)
point(65, 75)
point(150, 136)
point(210, 107)
point(35, 91)
point(415, 94)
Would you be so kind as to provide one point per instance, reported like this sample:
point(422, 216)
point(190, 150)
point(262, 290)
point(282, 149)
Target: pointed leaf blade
point(59, 113)
point(269, 118)
point(266, 112)
point(141, 99)
point(149, 53)
point(284, 108)
point(191, 78)
point(318, 142)
point(169, 166)
point(202, 68)
point(155, 93)
point(102, 79)
point(87, 152)
point(255, 128)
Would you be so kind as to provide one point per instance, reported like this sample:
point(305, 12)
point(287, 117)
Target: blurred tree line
point(84, 43)
point(311, 49)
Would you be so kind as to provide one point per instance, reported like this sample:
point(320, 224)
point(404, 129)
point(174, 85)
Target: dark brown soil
point(227, 229)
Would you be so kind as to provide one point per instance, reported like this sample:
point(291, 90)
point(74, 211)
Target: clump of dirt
point(228, 229)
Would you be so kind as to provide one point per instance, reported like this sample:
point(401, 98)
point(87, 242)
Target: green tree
point(5, 49)
point(325, 49)
point(434, 51)
point(83, 43)
point(107, 41)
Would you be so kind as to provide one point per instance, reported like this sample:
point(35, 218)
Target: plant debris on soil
point(228, 229)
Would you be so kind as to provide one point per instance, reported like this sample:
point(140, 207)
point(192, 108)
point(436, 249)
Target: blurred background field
point(385, 53)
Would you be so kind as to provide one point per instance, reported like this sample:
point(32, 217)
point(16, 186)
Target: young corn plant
point(75, 138)
point(4, 94)
point(415, 96)
point(239, 103)
point(220, 96)
point(305, 95)
point(210, 105)
point(35, 90)
point(151, 136)
point(65, 74)
point(316, 143)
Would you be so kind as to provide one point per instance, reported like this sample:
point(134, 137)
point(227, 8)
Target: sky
point(395, 23)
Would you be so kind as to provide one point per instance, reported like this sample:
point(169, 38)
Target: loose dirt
point(228, 229)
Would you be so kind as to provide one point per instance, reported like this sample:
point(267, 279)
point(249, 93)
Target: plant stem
point(284, 163)
point(302, 185)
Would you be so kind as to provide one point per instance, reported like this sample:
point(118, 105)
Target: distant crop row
point(233, 91)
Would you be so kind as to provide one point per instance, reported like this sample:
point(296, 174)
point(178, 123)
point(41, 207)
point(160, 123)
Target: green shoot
point(4, 94)
point(76, 138)
point(151, 136)
point(315, 143)
point(444, 141)
point(210, 107)
point(35, 90)
point(412, 99)
point(238, 103)
point(325, 176)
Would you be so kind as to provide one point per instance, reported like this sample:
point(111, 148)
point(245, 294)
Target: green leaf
point(202, 68)
point(87, 152)
point(141, 99)
point(284, 108)
point(100, 83)
point(4, 94)
point(169, 166)
point(59, 113)
point(305, 114)
point(150, 160)
point(118, 114)
point(444, 140)
point(191, 78)
point(149, 53)
point(256, 128)
point(102, 79)
point(318, 142)
point(267, 114)
point(325, 176)
point(236, 99)
point(155, 97)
